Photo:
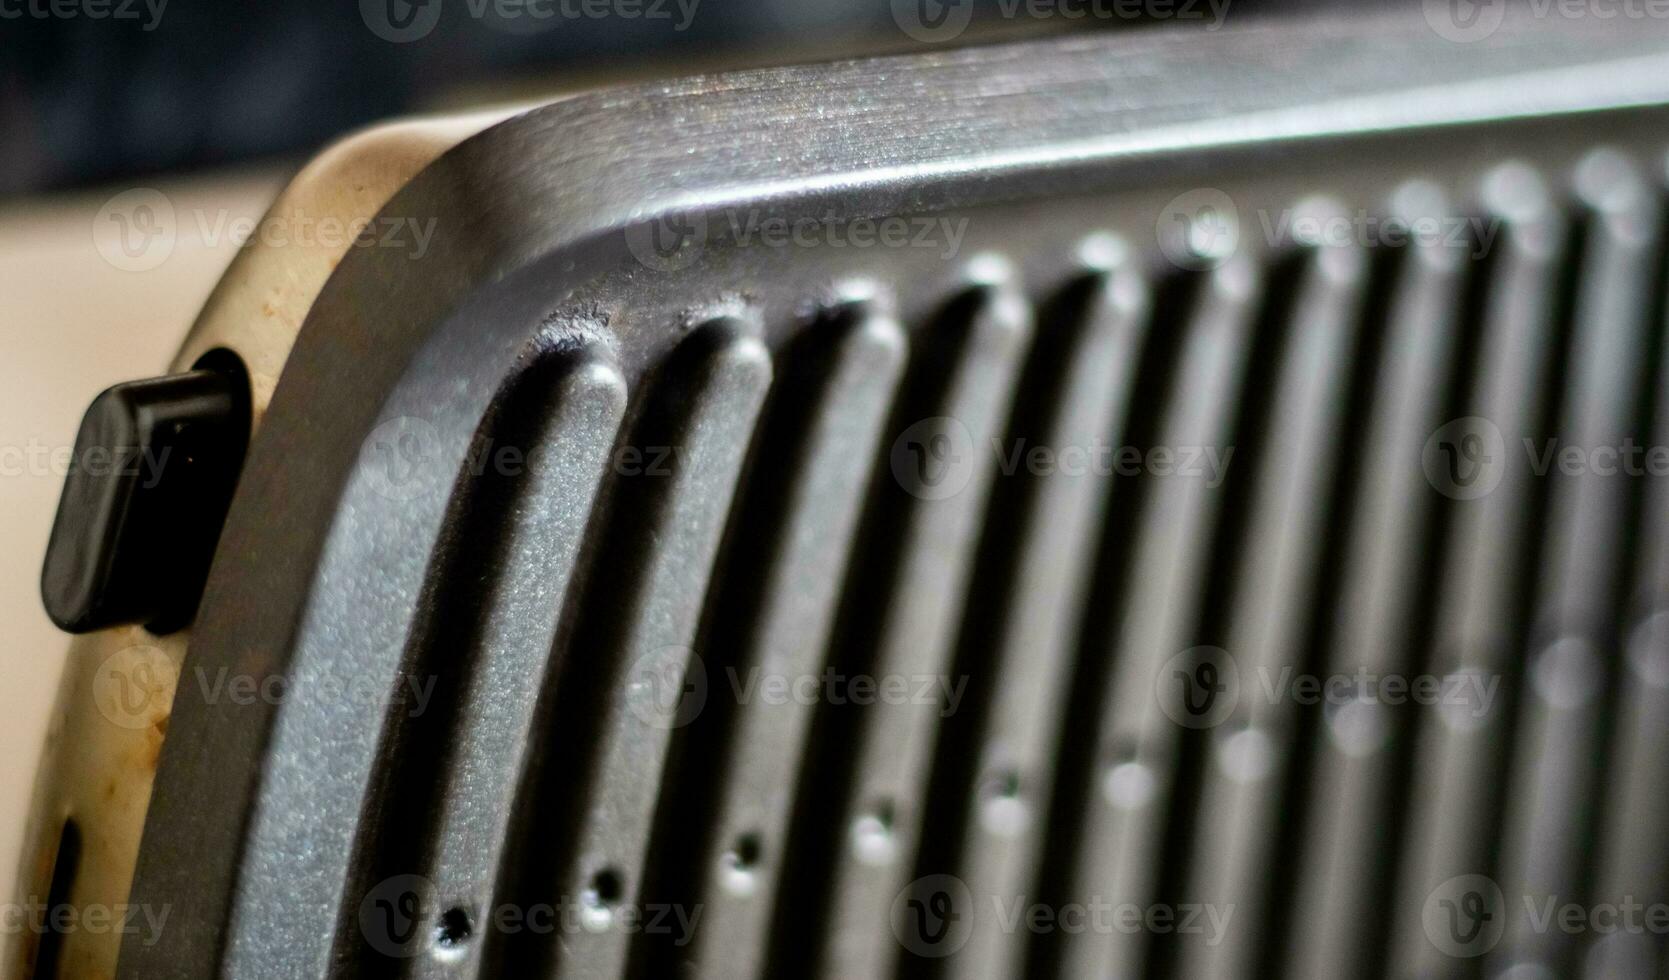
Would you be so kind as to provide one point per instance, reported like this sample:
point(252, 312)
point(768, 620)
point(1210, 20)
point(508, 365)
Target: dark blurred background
point(94, 91)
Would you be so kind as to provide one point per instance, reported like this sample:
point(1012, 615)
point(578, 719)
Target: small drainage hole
point(453, 930)
point(608, 886)
point(744, 856)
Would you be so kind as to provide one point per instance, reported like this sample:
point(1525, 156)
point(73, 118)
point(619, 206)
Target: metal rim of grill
point(729, 450)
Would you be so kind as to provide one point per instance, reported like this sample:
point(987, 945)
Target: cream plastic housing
point(117, 691)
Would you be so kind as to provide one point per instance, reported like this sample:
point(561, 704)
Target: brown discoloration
point(100, 772)
point(44, 859)
point(153, 745)
point(29, 947)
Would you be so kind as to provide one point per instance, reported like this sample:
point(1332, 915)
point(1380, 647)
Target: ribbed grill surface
point(1063, 631)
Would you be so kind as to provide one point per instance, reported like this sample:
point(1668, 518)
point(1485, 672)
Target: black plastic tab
point(148, 487)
